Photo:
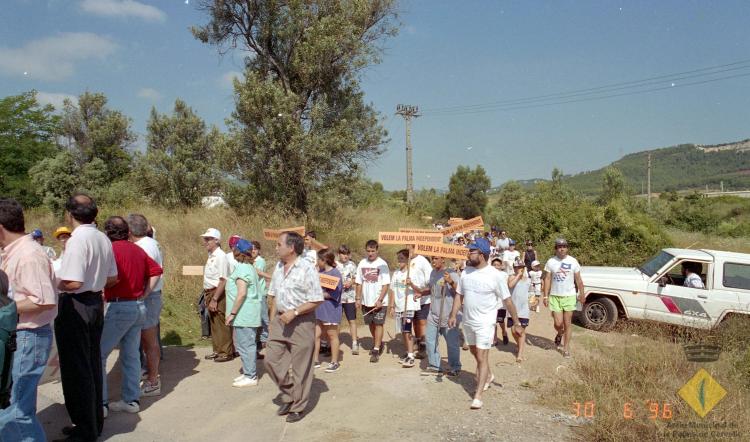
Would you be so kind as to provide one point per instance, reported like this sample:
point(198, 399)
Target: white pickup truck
point(655, 291)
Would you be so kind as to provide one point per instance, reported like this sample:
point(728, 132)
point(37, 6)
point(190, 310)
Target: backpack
point(8, 321)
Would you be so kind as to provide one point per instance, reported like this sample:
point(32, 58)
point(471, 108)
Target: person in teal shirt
point(243, 311)
point(260, 265)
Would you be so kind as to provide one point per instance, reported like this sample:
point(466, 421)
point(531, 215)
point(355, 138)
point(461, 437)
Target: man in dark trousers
point(88, 265)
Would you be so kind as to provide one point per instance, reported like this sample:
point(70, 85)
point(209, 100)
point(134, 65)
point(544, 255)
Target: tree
point(179, 166)
point(55, 179)
point(301, 123)
point(27, 133)
point(96, 131)
point(467, 192)
point(613, 185)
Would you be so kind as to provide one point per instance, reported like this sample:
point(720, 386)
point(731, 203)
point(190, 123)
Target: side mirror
point(663, 281)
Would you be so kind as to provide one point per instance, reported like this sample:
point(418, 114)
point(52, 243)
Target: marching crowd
point(104, 291)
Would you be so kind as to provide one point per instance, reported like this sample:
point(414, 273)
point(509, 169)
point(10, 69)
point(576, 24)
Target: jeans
point(264, 318)
point(122, 325)
point(451, 336)
point(244, 340)
point(18, 422)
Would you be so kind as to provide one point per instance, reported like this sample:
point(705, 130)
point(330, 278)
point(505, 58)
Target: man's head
point(138, 225)
point(503, 233)
point(11, 220)
point(402, 257)
point(116, 228)
point(38, 236)
point(479, 252)
point(561, 247)
point(289, 246)
point(309, 237)
point(689, 267)
point(81, 208)
point(438, 262)
point(344, 253)
point(256, 248)
point(371, 249)
point(211, 239)
point(511, 245)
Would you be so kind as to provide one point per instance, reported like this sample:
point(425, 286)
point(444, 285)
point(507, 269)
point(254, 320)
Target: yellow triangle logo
point(702, 392)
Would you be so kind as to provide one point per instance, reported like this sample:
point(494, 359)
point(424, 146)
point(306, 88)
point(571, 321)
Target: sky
point(449, 54)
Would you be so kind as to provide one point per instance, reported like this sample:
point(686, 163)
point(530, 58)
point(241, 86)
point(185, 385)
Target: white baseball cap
point(212, 233)
point(534, 263)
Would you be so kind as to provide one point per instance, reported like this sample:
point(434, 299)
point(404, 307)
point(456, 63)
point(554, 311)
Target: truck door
point(673, 303)
point(733, 279)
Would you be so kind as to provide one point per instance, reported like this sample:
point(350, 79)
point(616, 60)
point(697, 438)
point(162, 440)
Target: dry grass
point(697, 240)
point(178, 233)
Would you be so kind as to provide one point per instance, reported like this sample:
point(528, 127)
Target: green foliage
point(301, 124)
point(724, 216)
point(96, 131)
point(613, 185)
point(26, 136)
point(55, 179)
point(467, 192)
point(179, 167)
point(428, 203)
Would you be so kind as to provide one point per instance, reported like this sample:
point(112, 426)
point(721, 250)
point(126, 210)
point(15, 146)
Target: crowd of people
point(282, 314)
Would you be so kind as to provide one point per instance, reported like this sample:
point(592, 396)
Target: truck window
point(654, 264)
point(737, 275)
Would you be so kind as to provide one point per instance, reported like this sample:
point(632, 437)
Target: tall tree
point(179, 166)
point(613, 185)
point(96, 131)
point(27, 132)
point(54, 179)
point(467, 192)
point(301, 123)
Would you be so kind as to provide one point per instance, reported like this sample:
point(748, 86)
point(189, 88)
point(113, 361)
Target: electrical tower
point(408, 112)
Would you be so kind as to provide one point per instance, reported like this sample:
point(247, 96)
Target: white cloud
point(226, 81)
point(123, 8)
point(149, 94)
point(54, 58)
point(54, 98)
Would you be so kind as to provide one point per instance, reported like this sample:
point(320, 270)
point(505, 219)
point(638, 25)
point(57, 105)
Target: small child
point(402, 303)
point(520, 284)
point(535, 276)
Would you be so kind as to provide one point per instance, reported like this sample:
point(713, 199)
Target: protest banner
point(273, 234)
point(408, 238)
point(469, 224)
point(410, 230)
point(443, 250)
point(328, 281)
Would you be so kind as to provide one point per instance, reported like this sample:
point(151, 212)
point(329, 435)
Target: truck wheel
point(599, 314)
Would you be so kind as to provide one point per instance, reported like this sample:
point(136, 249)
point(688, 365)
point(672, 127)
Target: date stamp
point(653, 410)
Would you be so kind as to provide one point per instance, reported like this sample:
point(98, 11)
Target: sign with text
point(408, 238)
point(328, 281)
point(443, 250)
point(273, 234)
point(192, 270)
point(410, 230)
point(470, 224)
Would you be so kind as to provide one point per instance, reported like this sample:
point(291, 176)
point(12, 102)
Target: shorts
point(501, 313)
point(423, 312)
point(406, 325)
point(482, 337)
point(562, 303)
point(524, 322)
point(376, 318)
point(153, 305)
point(350, 311)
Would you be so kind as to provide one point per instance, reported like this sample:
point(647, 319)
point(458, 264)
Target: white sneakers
point(128, 407)
point(245, 381)
point(149, 389)
point(476, 404)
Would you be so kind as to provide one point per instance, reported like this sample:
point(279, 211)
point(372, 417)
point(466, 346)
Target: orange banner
point(469, 224)
point(444, 250)
point(408, 238)
point(328, 281)
point(409, 230)
point(273, 234)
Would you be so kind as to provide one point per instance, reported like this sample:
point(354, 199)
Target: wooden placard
point(192, 270)
point(328, 281)
point(439, 249)
point(408, 238)
point(469, 224)
point(273, 234)
point(410, 230)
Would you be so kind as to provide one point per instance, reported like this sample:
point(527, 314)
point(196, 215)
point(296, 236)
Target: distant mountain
point(683, 167)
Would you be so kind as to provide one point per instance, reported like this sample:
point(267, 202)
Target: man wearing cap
point(562, 276)
point(62, 235)
point(215, 275)
point(480, 290)
point(38, 236)
point(294, 295)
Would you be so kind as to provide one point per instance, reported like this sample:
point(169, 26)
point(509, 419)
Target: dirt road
point(363, 401)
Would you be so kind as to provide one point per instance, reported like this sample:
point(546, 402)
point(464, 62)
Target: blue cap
point(37, 234)
point(244, 246)
point(512, 242)
point(480, 244)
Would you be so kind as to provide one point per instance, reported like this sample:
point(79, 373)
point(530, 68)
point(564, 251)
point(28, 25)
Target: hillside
point(682, 167)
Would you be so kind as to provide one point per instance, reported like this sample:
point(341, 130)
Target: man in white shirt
point(373, 278)
point(420, 271)
point(562, 276)
point(502, 242)
point(480, 290)
point(309, 253)
point(215, 275)
point(509, 257)
point(692, 271)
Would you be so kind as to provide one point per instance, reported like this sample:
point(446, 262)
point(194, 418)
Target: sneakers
point(238, 378)
point(374, 356)
point(452, 373)
point(151, 389)
point(407, 362)
point(316, 364)
point(128, 407)
point(430, 371)
point(476, 404)
point(246, 382)
point(333, 367)
point(355, 349)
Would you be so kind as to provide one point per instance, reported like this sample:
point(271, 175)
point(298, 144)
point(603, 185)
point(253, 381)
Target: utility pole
point(648, 185)
point(408, 112)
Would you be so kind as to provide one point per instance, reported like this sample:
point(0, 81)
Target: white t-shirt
point(509, 257)
point(694, 281)
point(152, 249)
point(310, 256)
point(502, 243)
point(562, 273)
point(398, 286)
point(520, 296)
point(483, 291)
point(372, 276)
point(216, 268)
point(88, 259)
point(421, 269)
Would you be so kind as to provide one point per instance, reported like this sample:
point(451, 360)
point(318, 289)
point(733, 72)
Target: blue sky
point(448, 53)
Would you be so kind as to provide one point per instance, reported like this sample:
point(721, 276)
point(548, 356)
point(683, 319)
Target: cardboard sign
point(192, 270)
point(408, 238)
point(443, 250)
point(469, 224)
point(409, 230)
point(273, 234)
point(328, 281)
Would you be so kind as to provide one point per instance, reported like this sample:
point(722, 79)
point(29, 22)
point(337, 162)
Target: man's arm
point(457, 301)
point(71, 286)
point(383, 292)
point(546, 279)
point(151, 284)
point(27, 306)
point(579, 284)
point(271, 301)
